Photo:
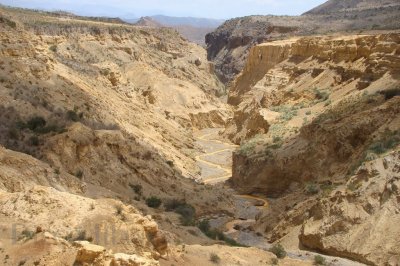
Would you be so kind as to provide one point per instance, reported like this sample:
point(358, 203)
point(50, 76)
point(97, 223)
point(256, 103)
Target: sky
point(220, 9)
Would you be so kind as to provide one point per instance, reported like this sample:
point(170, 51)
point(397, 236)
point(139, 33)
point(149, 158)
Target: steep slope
point(229, 44)
point(96, 117)
point(309, 112)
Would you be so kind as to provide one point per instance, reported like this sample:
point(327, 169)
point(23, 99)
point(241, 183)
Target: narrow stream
point(216, 167)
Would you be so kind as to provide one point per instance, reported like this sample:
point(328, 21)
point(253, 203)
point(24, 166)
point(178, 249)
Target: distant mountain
point(148, 22)
point(193, 29)
point(189, 21)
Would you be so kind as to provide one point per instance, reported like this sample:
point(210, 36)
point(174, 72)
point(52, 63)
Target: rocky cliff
point(228, 46)
point(309, 112)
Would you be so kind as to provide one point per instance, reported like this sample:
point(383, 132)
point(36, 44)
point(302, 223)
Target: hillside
point(349, 6)
point(229, 44)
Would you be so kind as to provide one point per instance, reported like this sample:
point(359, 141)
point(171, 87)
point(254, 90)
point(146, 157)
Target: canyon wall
point(311, 115)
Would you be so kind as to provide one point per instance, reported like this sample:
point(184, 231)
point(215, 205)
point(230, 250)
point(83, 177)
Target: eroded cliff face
point(229, 45)
point(329, 105)
point(95, 117)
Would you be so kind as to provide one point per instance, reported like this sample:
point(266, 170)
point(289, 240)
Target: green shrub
point(153, 202)
point(137, 188)
point(186, 211)
point(319, 260)
point(278, 250)
point(312, 189)
point(204, 226)
point(308, 113)
point(214, 258)
point(215, 234)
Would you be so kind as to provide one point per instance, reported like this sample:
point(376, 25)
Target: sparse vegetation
point(214, 258)
point(186, 211)
point(215, 234)
point(319, 260)
point(278, 250)
point(389, 94)
point(153, 202)
point(26, 235)
point(137, 188)
point(388, 141)
point(321, 95)
point(312, 189)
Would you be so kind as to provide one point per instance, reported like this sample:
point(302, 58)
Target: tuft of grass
point(153, 202)
point(278, 250)
point(214, 258)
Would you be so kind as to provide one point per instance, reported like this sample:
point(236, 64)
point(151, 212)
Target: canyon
point(127, 144)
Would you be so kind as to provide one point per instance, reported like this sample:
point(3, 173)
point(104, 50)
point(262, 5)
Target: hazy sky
point(197, 8)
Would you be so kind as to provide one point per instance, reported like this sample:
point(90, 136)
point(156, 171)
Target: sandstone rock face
point(335, 137)
point(360, 224)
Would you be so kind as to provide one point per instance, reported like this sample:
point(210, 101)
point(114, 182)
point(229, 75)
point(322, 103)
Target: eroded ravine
point(216, 163)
